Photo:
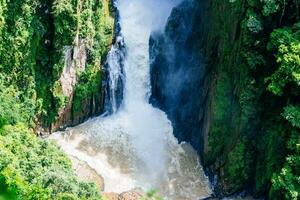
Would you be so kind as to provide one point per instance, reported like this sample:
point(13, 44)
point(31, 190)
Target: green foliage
point(286, 182)
point(292, 114)
point(33, 34)
point(222, 108)
point(270, 7)
point(238, 165)
point(19, 40)
point(288, 58)
point(59, 98)
point(31, 168)
point(94, 27)
point(33, 37)
point(65, 21)
point(271, 147)
point(253, 23)
point(12, 108)
point(255, 109)
point(89, 84)
point(152, 195)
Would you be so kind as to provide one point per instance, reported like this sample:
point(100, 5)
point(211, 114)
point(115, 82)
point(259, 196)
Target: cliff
point(211, 72)
point(52, 53)
point(81, 77)
point(178, 74)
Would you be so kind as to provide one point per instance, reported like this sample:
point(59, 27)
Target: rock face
point(82, 81)
point(194, 80)
point(180, 79)
point(86, 173)
point(75, 62)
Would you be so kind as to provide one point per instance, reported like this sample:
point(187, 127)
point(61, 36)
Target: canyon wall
point(210, 72)
point(179, 77)
point(193, 79)
point(53, 53)
point(82, 76)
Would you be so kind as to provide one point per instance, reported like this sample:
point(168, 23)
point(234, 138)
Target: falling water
point(135, 147)
point(115, 75)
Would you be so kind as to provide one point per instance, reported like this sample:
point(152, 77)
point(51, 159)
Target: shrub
point(31, 168)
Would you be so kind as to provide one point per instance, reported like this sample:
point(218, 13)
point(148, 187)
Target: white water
point(114, 63)
point(135, 147)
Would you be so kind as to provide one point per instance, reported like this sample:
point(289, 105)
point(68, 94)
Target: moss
point(59, 98)
point(98, 31)
point(88, 87)
point(225, 51)
point(238, 165)
point(248, 133)
point(220, 131)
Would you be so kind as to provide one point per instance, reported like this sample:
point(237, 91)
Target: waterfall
point(114, 72)
point(135, 146)
point(115, 77)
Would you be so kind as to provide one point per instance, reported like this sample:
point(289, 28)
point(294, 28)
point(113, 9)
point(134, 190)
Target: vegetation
point(94, 28)
point(33, 37)
point(31, 168)
point(152, 195)
point(255, 132)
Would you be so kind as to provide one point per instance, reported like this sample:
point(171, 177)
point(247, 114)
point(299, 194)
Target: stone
point(131, 195)
point(111, 196)
point(86, 173)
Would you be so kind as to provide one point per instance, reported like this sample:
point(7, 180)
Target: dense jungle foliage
point(255, 132)
point(33, 36)
point(31, 168)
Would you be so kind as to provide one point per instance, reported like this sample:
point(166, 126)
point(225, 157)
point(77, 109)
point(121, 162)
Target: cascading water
point(115, 75)
point(114, 67)
point(135, 147)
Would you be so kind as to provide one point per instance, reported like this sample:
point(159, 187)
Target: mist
point(149, 127)
point(179, 75)
point(152, 15)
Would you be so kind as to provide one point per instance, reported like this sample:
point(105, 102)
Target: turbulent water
point(135, 147)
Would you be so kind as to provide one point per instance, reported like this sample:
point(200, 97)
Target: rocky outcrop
point(86, 173)
point(75, 62)
point(131, 195)
point(135, 194)
point(79, 92)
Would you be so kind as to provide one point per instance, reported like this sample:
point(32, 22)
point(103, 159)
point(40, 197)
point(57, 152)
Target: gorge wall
point(214, 71)
point(178, 74)
point(52, 53)
point(81, 75)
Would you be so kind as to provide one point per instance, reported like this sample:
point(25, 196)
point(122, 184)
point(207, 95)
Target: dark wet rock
point(179, 77)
